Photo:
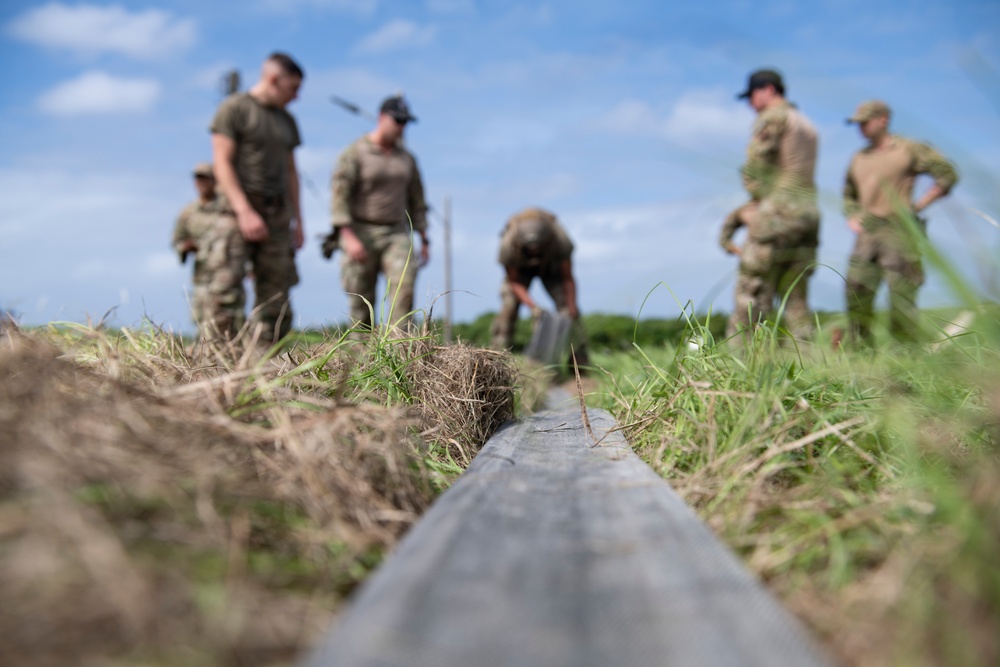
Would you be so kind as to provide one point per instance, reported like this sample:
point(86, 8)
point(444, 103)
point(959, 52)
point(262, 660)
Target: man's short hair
point(287, 65)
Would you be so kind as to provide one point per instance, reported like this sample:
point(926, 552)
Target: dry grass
point(158, 509)
point(468, 393)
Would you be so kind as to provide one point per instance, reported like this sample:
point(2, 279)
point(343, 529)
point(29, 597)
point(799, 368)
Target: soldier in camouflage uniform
point(782, 240)
point(205, 229)
point(534, 245)
point(377, 203)
point(878, 205)
point(253, 143)
point(754, 284)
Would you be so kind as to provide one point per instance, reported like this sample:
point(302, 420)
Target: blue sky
point(619, 117)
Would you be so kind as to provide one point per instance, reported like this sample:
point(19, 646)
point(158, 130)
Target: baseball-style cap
point(204, 169)
point(868, 110)
point(761, 78)
point(396, 107)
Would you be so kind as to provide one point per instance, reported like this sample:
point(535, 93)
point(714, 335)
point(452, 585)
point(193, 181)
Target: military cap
point(868, 110)
point(204, 169)
point(761, 78)
point(396, 107)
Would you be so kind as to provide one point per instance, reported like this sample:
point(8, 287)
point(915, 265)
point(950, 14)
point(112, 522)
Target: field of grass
point(862, 485)
point(163, 505)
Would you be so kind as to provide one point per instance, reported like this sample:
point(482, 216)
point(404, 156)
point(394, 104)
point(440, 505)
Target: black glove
point(330, 242)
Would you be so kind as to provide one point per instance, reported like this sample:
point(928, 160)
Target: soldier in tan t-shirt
point(878, 192)
point(378, 200)
point(253, 144)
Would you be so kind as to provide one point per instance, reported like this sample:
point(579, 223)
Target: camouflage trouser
point(219, 297)
point(775, 264)
point(274, 274)
point(390, 251)
point(890, 252)
point(506, 319)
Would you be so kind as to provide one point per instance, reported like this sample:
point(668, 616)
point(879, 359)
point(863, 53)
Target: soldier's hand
point(536, 312)
point(354, 248)
point(252, 226)
point(854, 223)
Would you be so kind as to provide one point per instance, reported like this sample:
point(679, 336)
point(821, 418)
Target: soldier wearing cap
point(782, 217)
point(253, 143)
point(205, 230)
point(377, 205)
point(534, 245)
point(879, 207)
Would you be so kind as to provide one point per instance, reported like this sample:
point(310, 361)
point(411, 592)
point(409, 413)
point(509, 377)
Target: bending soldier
point(778, 175)
point(378, 200)
point(204, 230)
point(534, 245)
point(878, 194)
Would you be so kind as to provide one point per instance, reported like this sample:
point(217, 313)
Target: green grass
point(863, 485)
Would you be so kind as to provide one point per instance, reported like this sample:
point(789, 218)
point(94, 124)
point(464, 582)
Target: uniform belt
point(266, 201)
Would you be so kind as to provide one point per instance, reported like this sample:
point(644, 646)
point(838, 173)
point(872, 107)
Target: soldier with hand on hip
point(879, 206)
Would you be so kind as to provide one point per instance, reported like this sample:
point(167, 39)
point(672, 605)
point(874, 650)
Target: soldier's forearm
point(933, 193)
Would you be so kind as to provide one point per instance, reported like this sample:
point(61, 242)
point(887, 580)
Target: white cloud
point(100, 93)
point(708, 114)
point(90, 29)
point(697, 116)
point(395, 35)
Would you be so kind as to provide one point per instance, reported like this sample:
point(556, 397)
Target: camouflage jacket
point(377, 186)
point(556, 248)
point(781, 156)
point(740, 217)
point(194, 221)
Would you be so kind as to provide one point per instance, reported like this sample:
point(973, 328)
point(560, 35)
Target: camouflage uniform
point(380, 195)
point(754, 284)
point(782, 242)
point(879, 188)
point(218, 297)
point(548, 265)
point(264, 136)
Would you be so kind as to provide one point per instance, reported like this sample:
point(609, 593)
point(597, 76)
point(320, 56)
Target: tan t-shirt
point(880, 181)
point(264, 138)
